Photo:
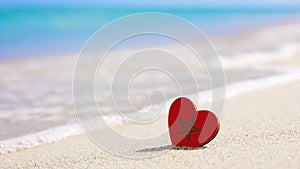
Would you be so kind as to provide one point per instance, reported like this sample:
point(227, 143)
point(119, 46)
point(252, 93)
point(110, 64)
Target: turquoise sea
point(46, 31)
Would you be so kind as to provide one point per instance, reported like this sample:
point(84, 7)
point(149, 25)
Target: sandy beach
point(258, 130)
point(45, 101)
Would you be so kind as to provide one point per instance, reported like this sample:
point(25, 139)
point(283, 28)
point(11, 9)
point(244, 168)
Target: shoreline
point(262, 60)
point(61, 111)
point(56, 134)
point(251, 136)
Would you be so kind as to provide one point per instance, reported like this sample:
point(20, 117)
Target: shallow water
point(47, 31)
point(37, 94)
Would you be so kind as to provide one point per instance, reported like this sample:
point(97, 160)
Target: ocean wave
point(61, 132)
point(257, 58)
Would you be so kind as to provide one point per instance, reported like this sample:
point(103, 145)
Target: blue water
point(47, 31)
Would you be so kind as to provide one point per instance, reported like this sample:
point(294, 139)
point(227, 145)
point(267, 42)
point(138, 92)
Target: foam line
point(58, 133)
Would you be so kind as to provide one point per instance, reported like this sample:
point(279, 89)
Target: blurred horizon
point(155, 4)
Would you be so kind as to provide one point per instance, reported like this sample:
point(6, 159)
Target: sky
point(156, 3)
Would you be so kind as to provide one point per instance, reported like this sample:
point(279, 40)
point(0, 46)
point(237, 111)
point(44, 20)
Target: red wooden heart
point(189, 127)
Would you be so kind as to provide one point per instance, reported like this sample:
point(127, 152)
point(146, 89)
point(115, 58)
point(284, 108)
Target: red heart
point(189, 127)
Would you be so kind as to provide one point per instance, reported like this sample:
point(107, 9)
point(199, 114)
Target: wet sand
point(258, 130)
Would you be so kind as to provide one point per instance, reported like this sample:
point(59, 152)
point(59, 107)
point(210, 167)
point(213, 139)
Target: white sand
point(258, 130)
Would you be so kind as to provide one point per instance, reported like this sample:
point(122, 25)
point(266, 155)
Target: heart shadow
point(170, 147)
